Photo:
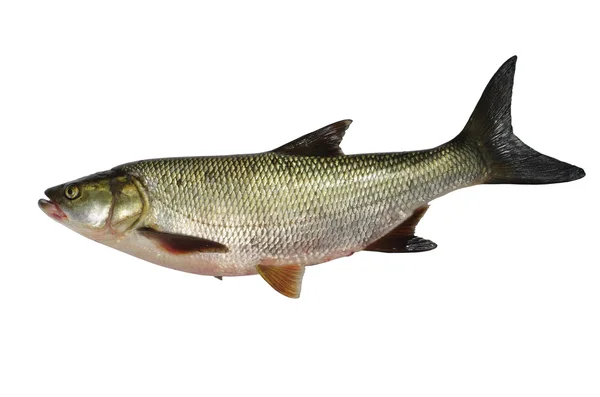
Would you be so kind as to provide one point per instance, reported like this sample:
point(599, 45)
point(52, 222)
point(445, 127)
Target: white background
point(508, 304)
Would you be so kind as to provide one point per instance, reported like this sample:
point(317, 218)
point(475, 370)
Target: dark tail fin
point(509, 159)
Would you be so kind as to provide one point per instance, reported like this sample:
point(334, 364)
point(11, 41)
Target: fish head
point(98, 206)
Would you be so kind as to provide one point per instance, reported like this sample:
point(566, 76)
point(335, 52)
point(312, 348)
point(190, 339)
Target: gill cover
point(128, 203)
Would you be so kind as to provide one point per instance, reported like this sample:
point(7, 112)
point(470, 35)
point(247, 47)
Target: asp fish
point(304, 203)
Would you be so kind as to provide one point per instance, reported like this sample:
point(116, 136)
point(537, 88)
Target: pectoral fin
point(286, 279)
point(402, 238)
point(180, 243)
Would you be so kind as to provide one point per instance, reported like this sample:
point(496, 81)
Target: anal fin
point(285, 279)
point(402, 238)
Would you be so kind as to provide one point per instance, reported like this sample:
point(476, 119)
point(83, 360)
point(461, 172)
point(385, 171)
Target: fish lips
point(51, 208)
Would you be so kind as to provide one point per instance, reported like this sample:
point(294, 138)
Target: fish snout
point(50, 207)
point(52, 210)
point(53, 192)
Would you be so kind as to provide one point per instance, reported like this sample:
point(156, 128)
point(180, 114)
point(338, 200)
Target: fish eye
point(71, 192)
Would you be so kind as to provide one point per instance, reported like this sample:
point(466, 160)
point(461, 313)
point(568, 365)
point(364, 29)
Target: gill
point(128, 209)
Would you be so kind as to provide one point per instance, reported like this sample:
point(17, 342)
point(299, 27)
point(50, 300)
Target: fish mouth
point(52, 209)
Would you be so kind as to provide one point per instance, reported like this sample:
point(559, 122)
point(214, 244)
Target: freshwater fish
point(304, 203)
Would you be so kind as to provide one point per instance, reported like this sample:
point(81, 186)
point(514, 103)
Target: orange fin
point(181, 244)
point(402, 238)
point(286, 279)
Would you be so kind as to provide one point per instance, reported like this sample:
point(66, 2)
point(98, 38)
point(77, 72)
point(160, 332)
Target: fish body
point(301, 204)
point(282, 209)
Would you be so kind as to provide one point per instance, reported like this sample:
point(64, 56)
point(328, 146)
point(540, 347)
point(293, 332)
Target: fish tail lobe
point(508, 159)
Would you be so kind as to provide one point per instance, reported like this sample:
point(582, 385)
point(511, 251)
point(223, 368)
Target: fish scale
point(298, 208)
point(301, 204)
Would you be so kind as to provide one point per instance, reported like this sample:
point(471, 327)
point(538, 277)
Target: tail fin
point(509, 159)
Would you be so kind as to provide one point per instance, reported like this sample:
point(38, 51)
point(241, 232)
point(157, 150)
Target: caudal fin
point(509, 159)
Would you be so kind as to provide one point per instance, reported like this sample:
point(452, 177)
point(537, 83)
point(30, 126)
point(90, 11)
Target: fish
point(301, 204)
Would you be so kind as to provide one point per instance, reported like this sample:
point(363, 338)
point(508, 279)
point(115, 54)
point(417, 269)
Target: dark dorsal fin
point(402, 238)
point(320, 143)
point(181, 244)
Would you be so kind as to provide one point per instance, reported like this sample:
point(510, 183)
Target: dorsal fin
point(320, 143)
